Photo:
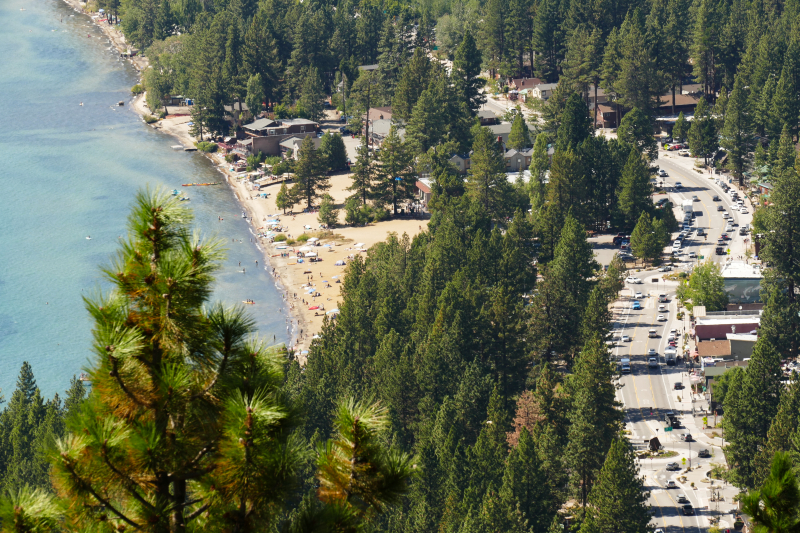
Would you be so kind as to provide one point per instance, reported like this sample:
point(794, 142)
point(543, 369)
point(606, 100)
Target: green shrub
point(150, 119)
point(282, 167)
point(205, 146)
point(303, 238)
point(280, 237)
point(290, 241)
point(230, 158)
point(137, 89)
point(272, 160)
point(379, 215)
point(162, 114)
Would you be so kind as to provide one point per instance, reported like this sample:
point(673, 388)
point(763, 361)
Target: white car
point(662, 308)
point(651, 352)
point(728, 228)
point(734, 207)
point(744, 210)
point(692, 255)
point(632, 279)
point(725, 214)
point(624, 338)
point(663, 173)
point(638, 295)
point(661, 318)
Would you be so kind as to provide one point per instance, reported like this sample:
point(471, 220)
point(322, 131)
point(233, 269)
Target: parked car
point(744, 211)
point(692, 255)
point(677, 386)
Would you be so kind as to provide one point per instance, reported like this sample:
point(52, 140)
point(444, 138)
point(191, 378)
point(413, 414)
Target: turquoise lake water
point(68, 172)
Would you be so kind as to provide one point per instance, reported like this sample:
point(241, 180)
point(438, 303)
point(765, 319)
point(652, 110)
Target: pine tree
point(332, 151)
point(311, 97)
point(414, 79)
point(486, 181)
point(681, 128)
point(703, 140)
point(548, 40)
point(618, 500)
point(396, 179)
point(751, 403)
point(704, 46)
point(466, 73)
point(575, 124)
point(644, 243)
point(328, 214)
point(285, 199)
point(763, 118)
point(737, 134)
point(519, 137)
point(634, 189)
point(560, 298)
point(636, 129)
point(429, 119)
point(195, 405)
point(363, 173)
point(774, 507)
point(538, 169)
point(524, 493)
point(565, 194)
point(255, 95)
point(782, 433)
point(310, 179)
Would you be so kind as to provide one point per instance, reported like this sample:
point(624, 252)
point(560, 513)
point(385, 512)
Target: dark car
point(678, 386)
point(716, 198)
point(688, 510)
point(703, 453)
point(682, 498)
point(344, 130)
point(724, 237)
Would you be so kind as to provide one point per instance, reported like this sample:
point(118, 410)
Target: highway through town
point(649, 393)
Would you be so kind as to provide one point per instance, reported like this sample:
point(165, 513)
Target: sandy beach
point(312, 289)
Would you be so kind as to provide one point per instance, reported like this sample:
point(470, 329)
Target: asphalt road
point(648, 393)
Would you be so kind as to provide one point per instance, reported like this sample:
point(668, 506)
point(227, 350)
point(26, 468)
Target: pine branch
point(200, 510)
point(88, 488)
point(130, 485)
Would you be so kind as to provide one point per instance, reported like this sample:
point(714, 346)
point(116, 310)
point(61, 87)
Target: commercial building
point(742, 282)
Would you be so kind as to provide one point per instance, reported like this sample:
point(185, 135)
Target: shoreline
point(292, 275)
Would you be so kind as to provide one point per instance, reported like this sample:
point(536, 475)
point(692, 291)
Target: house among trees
point(487, 118)
point(267, 134)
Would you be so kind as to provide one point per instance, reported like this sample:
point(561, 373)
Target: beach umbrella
point(332, 311)
point(313, 239)
point(305, 249)
point(311, 254)
point(358, 245)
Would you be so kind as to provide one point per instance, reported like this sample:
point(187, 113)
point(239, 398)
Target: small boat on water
point(174, 192)
point(199, 184)
point(248, 302)
point(185, 198)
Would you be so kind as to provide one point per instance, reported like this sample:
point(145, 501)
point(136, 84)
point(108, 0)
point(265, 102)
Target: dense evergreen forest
point(466, 385)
